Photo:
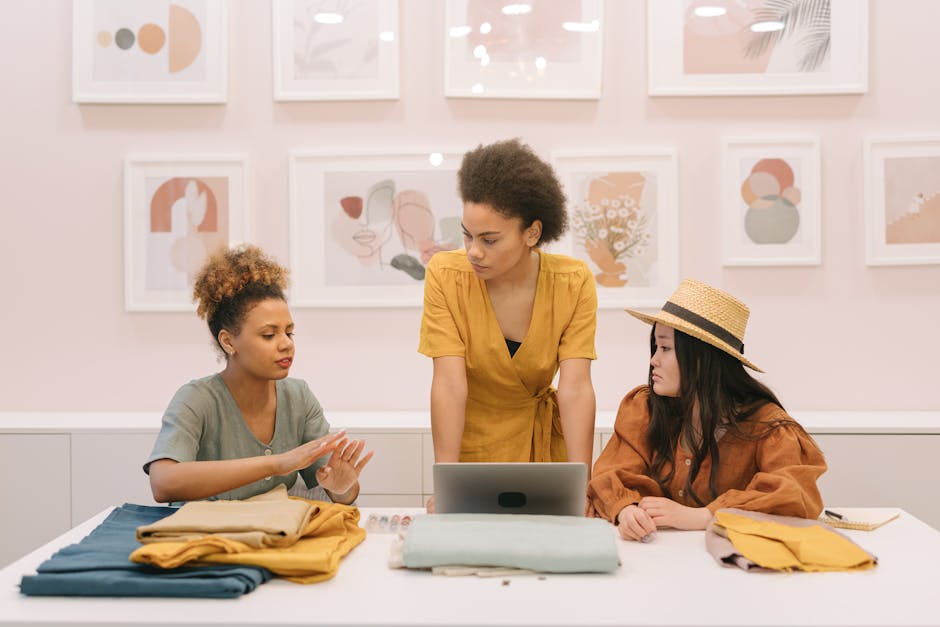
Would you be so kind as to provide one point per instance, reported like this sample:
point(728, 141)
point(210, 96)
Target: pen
point(832, 514)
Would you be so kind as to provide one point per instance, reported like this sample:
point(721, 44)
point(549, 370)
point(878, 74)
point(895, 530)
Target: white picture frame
point(349, 51)
point(902, 200)
point(178, 210)
point(695, 50)
point(623, 214)
point(771, 211)
point(495, 49)
point(364, 224)
point(159, 51)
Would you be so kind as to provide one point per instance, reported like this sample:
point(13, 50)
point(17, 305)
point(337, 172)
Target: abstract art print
point(902, 201)
point(177, 212)
point(160, 51)
point(770, 202)
point(623, 222)
point(741, 47)
point(535, 49)
point(364, 226)
point(335, 49)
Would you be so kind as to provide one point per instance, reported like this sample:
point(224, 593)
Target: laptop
point(555, 488)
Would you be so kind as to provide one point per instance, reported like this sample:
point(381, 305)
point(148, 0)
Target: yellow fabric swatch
point(783, 547)
point(329, 535)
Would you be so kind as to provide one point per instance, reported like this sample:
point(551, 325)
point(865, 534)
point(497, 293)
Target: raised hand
point(341, 472)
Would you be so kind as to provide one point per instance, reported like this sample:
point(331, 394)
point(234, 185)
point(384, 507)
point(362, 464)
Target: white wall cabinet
point(58, 470)
point(35, 492)
point(106, 469)
point(883, 471)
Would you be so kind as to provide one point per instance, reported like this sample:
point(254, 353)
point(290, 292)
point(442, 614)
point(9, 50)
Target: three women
point(500, 319)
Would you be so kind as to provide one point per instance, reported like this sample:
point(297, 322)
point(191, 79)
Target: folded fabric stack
point(751, 540)
point(480, 543)
point(300, 540)
point(271, 519)
point(98, 566)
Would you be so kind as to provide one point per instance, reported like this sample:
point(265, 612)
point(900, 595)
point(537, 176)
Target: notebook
point(861, 518)
point(552, 488)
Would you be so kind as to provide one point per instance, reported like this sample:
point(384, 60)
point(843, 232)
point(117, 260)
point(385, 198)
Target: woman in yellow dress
point(501, 318)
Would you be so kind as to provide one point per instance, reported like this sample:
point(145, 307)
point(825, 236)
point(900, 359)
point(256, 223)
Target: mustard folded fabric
point(779, 546)
point(329, 535)
point(271, 519)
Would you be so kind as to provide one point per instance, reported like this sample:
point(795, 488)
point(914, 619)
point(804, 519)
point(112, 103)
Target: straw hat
point(706, 313)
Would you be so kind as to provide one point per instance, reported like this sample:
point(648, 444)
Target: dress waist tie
point(546, 409)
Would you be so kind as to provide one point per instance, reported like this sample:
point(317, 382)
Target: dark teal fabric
point(99, 566)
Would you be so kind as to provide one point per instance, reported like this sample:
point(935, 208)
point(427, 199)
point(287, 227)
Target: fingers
point(353, 450)
point(330, 437)
point(364, 461)
point(635, 524)
point(326, 444)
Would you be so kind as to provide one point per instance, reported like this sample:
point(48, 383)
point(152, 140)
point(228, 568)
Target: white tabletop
point(670, 581)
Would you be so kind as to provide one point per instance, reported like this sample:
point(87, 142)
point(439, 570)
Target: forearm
point(576, 406)
point(448, 413)
point(191, 481)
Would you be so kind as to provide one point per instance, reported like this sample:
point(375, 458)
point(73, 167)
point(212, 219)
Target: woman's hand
point(667, 513)
point(429, 506)
point(302, 456)
point(341, 472)
point(634, 524)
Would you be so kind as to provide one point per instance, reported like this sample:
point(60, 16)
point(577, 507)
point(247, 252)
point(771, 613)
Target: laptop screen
point(554, 488)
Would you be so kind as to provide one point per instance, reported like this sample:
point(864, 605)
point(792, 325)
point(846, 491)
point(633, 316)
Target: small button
point(681, 492)
point(267, 451)
point(688, 462)
point(267, 478)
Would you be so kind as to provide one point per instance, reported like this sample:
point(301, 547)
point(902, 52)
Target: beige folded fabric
point(268, 520)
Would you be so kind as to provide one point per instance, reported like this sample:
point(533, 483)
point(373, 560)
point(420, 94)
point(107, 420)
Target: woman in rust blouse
point(703, 434)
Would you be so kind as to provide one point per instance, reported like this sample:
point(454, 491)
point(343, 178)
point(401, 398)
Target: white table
point(671, 581)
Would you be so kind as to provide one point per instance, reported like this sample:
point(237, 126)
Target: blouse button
point(681, 492)
point(688, 462)
point(267, 478)
point(267, 451)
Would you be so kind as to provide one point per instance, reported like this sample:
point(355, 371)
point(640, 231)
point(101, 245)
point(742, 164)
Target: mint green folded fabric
point(553, 544)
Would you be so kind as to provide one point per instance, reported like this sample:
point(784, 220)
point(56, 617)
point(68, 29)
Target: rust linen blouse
point(775, 474)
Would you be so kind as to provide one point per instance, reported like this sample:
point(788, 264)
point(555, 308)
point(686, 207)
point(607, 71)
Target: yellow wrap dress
point(512, 408)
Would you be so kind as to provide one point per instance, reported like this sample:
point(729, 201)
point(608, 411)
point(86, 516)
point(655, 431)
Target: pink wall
point(837, 336)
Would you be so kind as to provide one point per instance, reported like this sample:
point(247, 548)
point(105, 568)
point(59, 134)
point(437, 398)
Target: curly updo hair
point(511, 178)
point(231, 282)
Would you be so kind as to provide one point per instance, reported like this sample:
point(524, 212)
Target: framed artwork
point(751, 47)
point(364, 226)
point(623, 221)
point(154, 51)
point(335, 50)
point(770, 202)
point(902, 201)
point(177, 211)
point(538, 49)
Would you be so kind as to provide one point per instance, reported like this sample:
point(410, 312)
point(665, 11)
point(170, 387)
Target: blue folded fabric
point(554, 544)
point(99, 566)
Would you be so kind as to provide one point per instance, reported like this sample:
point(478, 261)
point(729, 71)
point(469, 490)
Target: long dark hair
point(727, 395)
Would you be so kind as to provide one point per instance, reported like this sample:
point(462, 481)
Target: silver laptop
point(556, 488)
